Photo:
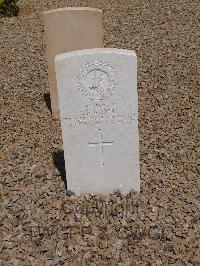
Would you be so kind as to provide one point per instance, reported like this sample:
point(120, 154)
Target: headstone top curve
point(72, 9)
point(95, 51)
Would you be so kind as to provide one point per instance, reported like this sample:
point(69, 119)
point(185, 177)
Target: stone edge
point(72, 9)
point(94, 51)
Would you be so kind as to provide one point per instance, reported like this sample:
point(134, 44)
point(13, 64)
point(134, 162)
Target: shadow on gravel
point(59, 162)
point(47, 100)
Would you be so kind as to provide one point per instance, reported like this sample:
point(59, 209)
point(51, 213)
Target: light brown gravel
point(40, 223)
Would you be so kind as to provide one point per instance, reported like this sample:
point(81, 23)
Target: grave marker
point(69, 29)
point(99, 118)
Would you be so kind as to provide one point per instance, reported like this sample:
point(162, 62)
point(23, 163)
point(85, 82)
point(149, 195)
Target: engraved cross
point(101, 145)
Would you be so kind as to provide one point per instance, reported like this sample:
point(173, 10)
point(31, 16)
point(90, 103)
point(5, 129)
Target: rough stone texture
point(98, 103)
point(66, 30)
point(40, 224)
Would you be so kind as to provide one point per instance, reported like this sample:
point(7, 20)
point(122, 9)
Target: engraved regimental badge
point(97, 80)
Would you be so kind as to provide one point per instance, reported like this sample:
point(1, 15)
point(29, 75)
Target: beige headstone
point(69, 29)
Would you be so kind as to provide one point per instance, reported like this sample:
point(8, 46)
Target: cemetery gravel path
point(41, 223)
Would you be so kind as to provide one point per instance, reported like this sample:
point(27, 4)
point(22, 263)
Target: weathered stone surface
point(66, 30)
point(98, 100)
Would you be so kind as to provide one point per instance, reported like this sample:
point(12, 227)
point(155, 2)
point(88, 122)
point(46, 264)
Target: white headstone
point(98, 100)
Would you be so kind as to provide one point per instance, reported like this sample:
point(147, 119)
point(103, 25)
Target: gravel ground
point(40, 222)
